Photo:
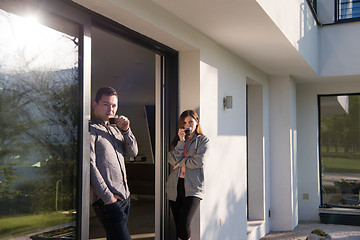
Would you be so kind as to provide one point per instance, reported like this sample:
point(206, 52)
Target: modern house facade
point(275, 61)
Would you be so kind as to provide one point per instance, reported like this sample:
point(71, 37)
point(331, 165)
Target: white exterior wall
point(222, 74)
point(284, 199)
point(189, 84)
point(339, 50)
point(298, 26)
point(308, 156)
point(330, 50)
point(212, 73)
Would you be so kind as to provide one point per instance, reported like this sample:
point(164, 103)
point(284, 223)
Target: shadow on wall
point(308, 40)
point(225, 191)
point(230, 225)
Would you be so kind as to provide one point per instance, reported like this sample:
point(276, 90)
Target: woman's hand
point(176, 166)
point(181, 134)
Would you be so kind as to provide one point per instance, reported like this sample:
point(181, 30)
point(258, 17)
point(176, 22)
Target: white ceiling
point(244, 28)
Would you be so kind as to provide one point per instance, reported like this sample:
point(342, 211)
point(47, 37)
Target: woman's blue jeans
point(114, 218)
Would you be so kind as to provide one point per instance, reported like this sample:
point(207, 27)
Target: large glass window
point(39, 118)
point(340, 150)
point(348, 9)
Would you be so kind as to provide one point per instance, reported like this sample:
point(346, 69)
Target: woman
point(185, 185)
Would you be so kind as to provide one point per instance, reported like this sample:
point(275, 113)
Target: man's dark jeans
point(114, 218)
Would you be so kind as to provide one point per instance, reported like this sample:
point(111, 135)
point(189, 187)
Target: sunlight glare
point(32, 45)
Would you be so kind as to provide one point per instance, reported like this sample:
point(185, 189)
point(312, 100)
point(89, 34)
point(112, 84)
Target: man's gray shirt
point(108, 145)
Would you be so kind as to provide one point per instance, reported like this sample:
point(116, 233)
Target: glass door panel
point(130, 69)
point(340, 150)
point(39, 119)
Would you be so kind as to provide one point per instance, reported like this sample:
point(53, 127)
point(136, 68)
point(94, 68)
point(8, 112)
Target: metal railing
point(347, 10)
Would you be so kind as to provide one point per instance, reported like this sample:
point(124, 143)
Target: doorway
point(130, 69)
point(255, 156)
point(145, 74)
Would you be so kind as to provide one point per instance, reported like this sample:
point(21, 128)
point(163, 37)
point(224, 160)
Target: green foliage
point(12, 131)
point(318, 232)
point(39, 112)
point(39, 118)
point(340, 165)
point(23, 224)
point(342, 131)
point(8, 170)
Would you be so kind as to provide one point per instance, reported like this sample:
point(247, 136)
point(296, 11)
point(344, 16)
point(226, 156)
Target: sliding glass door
point(340, 150)
point(40, 116)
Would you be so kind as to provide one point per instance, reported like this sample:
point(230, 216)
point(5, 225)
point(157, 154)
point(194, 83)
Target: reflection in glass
point(39, 117)
point(348, 9)
point(340, 150)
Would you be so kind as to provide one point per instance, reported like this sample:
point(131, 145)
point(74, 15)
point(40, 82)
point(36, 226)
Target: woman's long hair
point(182, 117)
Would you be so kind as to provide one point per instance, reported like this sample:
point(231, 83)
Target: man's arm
point(130, 145)
point(96, 180)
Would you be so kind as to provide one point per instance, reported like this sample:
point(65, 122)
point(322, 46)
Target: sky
point(26, 45)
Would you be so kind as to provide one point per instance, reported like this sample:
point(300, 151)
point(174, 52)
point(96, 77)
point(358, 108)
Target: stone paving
point(337, 232)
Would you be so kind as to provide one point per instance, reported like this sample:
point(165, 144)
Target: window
point(340, 150)
point(348, 9)
point(39, 119)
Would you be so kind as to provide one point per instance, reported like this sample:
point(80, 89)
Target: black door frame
point(169, 100)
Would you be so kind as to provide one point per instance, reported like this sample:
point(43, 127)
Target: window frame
point(337, 14)
point(322, 204)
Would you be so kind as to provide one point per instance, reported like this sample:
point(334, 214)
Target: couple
point(108, 145)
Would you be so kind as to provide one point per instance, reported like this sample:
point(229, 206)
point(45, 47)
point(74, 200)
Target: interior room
point(130, 69)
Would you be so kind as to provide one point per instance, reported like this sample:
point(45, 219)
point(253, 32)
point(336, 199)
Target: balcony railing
point(347, 9)
point(340, 11)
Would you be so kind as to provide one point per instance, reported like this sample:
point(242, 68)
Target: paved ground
point(337, 232)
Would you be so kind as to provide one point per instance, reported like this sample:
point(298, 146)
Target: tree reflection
point(340, 134)
point(39, 117)
point(340, 150)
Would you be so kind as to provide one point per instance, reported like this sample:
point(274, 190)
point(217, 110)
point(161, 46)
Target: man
point(108, 145)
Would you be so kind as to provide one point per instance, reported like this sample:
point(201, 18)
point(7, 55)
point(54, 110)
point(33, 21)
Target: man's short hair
point(108, 91)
